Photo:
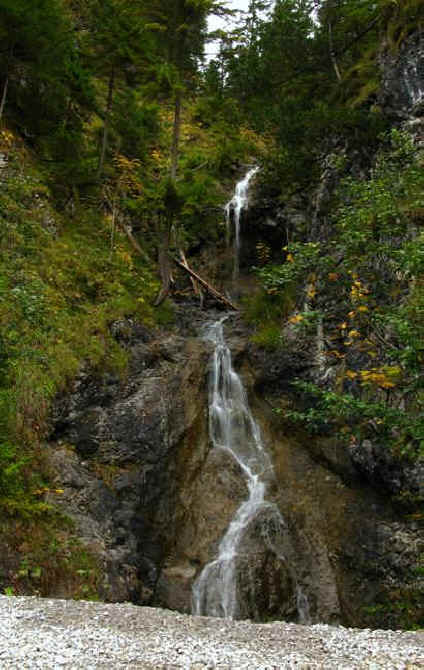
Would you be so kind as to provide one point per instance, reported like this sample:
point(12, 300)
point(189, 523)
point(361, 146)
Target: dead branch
point(196, 287)
point(210, 289)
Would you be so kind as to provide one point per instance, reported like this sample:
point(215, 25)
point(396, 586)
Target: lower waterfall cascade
point(233, 429)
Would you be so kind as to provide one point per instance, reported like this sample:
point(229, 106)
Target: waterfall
point(302, 604)
point(412, 81)
point(236, 205)
point(233, 429)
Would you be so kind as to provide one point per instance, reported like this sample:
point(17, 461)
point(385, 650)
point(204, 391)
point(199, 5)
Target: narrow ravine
point(232, 428)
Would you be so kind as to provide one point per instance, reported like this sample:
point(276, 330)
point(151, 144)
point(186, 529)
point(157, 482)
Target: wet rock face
point(114, 450)
point(351, 547)
point(265, 577)
point(341, 546)
point(402, 91)
point(385, 471)
point(152, 499)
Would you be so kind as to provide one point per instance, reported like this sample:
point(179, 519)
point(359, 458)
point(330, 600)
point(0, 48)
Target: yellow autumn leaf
point(392, 371)
point(335, 353)
point(350, 374)
point(296, 319)
point(379, 377)
point(354, 333)
point(363, 308)
point(385, 384)
point(125, 256)
point(290, 258)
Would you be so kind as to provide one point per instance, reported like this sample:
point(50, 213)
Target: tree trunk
point(106, 122)
point(164, 264)
point(164, 260)
point(196, 286)
point(333, 53)
point(176, 135)
point(6, 84)
point(4, 96)
point(218, 296)
point(133, 242)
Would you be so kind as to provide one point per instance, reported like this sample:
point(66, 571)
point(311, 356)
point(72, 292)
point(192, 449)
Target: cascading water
point(236, 205)
point(233, 429)
point(413, 81)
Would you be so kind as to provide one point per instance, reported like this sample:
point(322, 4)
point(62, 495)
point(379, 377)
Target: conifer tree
point(36, 41)
point(182, 27)
point(119, 47)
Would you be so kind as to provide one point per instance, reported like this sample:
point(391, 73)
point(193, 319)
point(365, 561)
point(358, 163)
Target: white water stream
point(234, 208)
point(233, 429)
point(412, 81)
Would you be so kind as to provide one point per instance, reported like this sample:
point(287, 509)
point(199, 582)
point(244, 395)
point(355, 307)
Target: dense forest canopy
point(119, 143)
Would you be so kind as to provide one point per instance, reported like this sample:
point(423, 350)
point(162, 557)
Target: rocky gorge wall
point(114, 451)
point(151, 498)
point(402, 90)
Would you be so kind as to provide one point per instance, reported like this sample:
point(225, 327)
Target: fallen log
point(194, 282)
point(210, 289)
point(127, 230)
point(196, 287)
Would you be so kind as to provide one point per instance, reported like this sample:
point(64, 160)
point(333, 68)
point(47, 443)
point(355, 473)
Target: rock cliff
point(152, 499)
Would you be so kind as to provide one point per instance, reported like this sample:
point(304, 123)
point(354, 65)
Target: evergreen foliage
point(366, 284)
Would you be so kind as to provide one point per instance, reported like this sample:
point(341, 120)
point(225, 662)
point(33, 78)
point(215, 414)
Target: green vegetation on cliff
point(89, 136)
point(363, 285)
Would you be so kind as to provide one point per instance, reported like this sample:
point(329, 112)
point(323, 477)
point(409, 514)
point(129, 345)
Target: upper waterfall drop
point(237, 204)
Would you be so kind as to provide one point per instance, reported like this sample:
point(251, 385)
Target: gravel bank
point(41, 633)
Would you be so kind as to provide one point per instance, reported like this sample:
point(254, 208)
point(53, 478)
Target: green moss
point(165, 314)
point(61, 285)
point(268, 337)
point(267, 307)
point(63, 281)
point(267, 311)
point(46, 559)
point(366, 91)
point(402, 19)
point(397, 609)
